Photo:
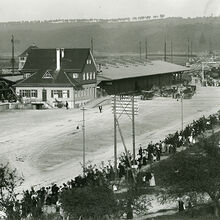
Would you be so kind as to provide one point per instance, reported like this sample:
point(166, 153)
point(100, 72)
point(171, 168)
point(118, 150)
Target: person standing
point(100, 108)
point(152, 180)
point(67, 105)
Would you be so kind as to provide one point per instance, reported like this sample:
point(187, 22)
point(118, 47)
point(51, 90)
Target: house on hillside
point(136, 76)
point(23, 56)
point(59, 75)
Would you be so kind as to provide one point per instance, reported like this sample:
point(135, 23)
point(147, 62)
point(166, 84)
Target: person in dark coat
point(100, 108)
point(67, 105)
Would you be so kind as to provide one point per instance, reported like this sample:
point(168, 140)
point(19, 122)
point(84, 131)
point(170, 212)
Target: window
point(47, 75)
point(94, 75)
point(87, 76)
point(26, 75)
point(56, 94)
point(28, 93)
point(75, 75)
point(90, 75)
point(89, 61)
point(84, 76)
point(34, 93)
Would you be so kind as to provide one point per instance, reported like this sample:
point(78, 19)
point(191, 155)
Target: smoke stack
point(58, 59)
point(62, 52)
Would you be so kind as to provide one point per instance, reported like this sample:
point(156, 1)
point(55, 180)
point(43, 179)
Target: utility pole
point(92, 45)
point(146, 49)
point(84, 142)
point(140, 49)
point(165, 50)
point(171, 50)
point(133, 129)
point(115, 136)
point(191, 49)
point(13, 54)
point(181, 99)
point(188, 49)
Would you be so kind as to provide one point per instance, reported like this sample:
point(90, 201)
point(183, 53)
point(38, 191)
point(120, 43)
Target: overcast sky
point(17, 10)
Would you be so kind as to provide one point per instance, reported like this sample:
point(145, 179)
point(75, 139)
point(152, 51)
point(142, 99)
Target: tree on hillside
point(89, 202)
point(195, 171)
point(8, 196)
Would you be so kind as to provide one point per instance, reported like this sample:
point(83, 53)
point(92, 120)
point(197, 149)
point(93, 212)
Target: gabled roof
point(24, 54)
point(155, 67)
point(74, 59)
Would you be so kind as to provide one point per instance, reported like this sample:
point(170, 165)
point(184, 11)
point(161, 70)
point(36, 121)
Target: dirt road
point(46, 147)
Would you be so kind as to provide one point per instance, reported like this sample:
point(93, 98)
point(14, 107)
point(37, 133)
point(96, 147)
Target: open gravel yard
point(46, 147)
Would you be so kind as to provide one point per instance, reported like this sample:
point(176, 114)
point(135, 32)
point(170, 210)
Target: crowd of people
point(34, 201)
point(153, 151)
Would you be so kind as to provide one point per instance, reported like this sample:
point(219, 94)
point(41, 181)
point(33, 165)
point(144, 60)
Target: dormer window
point(75, 75)
point(47, 75)
point(26, 75)
point(89, 61)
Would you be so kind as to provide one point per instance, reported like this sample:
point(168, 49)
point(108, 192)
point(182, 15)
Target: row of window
point(85, 92)
point(28, 93)
point(88, 76)
point(60, 93)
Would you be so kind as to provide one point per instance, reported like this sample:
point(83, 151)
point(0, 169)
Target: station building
point(58, 75)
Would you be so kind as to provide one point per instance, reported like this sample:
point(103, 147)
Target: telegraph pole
point(181, 99)
point(171, 50)
point(146, 49)
point(188, 50)
point(140, 49)
point(92, 45)
point(84, 142)
point(13, 54)
point(133, 129)
point(115, 136)
point(165, 50)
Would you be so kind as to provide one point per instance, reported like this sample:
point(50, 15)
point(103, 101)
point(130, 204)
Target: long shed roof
point(155, 67)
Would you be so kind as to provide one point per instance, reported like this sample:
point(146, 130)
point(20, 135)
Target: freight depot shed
point(140, 76)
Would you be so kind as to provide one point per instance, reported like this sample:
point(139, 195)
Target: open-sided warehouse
point(142, 76)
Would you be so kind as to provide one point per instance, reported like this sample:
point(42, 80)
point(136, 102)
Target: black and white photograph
point(109, 109)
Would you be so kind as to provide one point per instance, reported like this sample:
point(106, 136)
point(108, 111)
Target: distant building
point(130, 77)
point(23, 56)
point(58, 75)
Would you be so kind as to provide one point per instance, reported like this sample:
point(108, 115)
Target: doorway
point(44, 95)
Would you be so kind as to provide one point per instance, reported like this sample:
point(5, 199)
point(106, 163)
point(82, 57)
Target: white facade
point(51, 95)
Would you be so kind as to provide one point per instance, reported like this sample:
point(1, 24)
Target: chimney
point(58, 59)
point(62, 52)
